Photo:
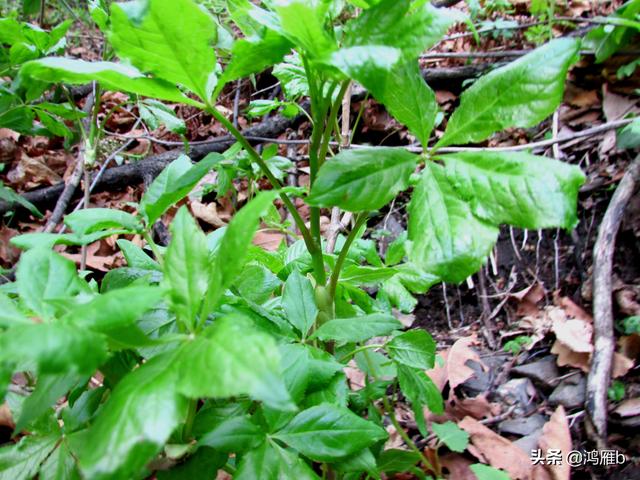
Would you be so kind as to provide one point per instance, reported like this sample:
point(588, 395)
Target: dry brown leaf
point(9, 254)
point(556, 435)
point(457, 370)
point(438, 374)
point(580, 98)
point(456, 467)
point(629, 408)
point(528, 299)
point(6, 419)
point(207, 213)
point(630, 346)
point(269, 240)
point(616, 106)
point(477, 407)
point(31, 172)
point(496, 450)
point(355, 376)
point(573, 333)
point(567, 357)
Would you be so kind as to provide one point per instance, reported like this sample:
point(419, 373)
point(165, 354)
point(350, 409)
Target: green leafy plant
point(214, 354)
point(515, 346)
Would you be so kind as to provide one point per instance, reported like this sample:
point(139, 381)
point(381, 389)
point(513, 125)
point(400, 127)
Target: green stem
point(410, 443)
point(312, 245)
point(360, 112)
point(333, 115)
point(335, 275)
point(188, 424)
point(362, 348)
point(154, 248)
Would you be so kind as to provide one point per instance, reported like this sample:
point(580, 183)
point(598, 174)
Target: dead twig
point(602, 359)
point(74, 179)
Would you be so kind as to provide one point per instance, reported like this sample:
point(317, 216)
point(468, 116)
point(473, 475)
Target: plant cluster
point(214, 354)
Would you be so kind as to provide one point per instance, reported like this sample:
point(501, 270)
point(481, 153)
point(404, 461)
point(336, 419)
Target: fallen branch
point(602, 359)
point(116, 178)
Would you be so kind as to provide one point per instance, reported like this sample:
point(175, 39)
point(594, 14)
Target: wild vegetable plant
point(214, 354)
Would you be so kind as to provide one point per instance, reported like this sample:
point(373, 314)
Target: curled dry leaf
point(567, 357)
point(457, 370)
point(528, 298)
point(208, 213)
point(477, 407)
point(629, 408)
point(455, 466)
point(489, 447)
point(556, 435)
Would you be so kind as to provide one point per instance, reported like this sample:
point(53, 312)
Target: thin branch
point(601, 362)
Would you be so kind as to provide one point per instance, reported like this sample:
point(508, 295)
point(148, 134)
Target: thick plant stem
point(312, 245)
point(333, 115)
point(335, 275)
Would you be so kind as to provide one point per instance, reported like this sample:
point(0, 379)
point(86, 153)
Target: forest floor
point(510, 351)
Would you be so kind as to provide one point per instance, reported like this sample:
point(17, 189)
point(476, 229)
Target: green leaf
point(420, 389)
point(53, 347)
point(302, 22)
point(234, 246)
point(173, 184)
point(451, 435)
point(254, 56)
point(305, 368)
point(60, 465)
point(48, 391)
point(172, 39)
point(236, 359)
point(10, 196)
point(398, 23)
point(397, 461)
point(10, 314)
point(415, 348)
point(329, 432)
point(365, 275)
point(44, 275)
point(235, 434)
point(395, 82)
point(516, 188)
point(115, 313)
point(448, 240)
point(363, 179)
point(112, 76)
point(629, 136)
point(298, 302)
point(186, 268)
point(156, 113)
point(256, 283)
point(22, 460)
point(136, 257)
point(271, 462)
point(606, 40)
point(135, 423)
point(485, 472)
point(357, 329)
point(90, 220)
point(520, 94)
